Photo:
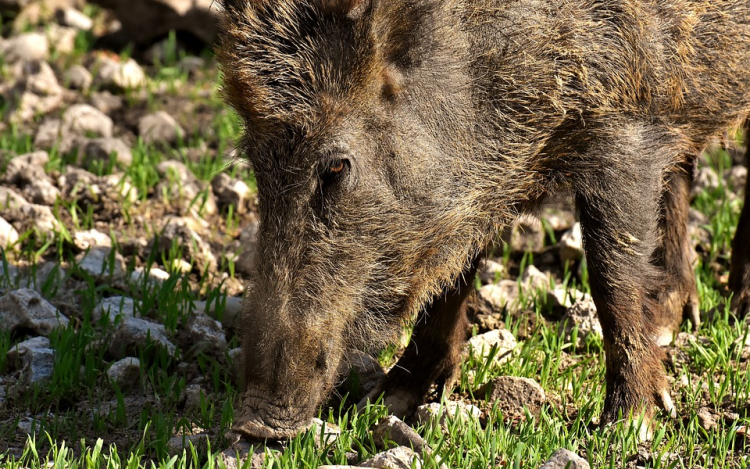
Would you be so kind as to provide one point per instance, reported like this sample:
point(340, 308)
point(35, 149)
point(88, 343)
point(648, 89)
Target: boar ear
point(352, 9)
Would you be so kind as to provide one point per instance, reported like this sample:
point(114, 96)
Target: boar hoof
point(400, 403)
point(681, 303)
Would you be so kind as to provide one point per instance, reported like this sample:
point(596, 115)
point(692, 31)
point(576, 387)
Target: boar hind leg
point(618, 200)
point(739, 272)
point(434, 352)
point(679, 296)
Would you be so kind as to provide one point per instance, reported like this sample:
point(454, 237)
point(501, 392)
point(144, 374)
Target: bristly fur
point(451, 117)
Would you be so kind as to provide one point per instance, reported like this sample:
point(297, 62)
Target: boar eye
point(334, 169)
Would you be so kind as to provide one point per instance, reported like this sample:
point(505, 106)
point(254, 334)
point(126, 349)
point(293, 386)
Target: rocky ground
point(127, 232)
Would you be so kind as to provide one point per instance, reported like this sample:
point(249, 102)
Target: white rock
point(500, 340)
point(129, 75)
point(324, 433)
point(206, 333)
point(159, 127)
point(230, 191)
point(571, 245)
point(114, 306)
point(82, 119)
point(41, 218)
point(8, 234)
point(565, 459)
point(42, 191)
point(34, 358)
point(26, 168)
point(491, 271)
point(178, 444)
point(449, 410)
point(125, 373)
point(400, 457)
point(583, 315)
point(61, 38)
point(391, 428)
point(534, 279)
point(26, 309)
point(498, 296)
point(154, 275)
point(10, 199)
point(28, 47)
point(74, 18)
point(78, 77)
point(100, 149)
point(86, 239)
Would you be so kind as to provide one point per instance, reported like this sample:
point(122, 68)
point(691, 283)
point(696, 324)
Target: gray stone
point(41, 218)
point(400, 457)
point(448, 410)
point(705, 179)
point(178, 444)
point(526, 235)
point(736, 177)
point(183, 189)
point(565, 459)
point(106, 102)
point(324, 433)
point(26, 309)
point(512, 394)
point(33, 358)
point(368, 371)
point(159, 127)
point(82, 119)
point(74, 19)
point(132, 334)
point(87, 239)
point(154, 275)
point(534, 279)
point(392, 429)
point(191, 64)
point(178, 230)
point(41, 79)
point(100, 149)
point(26, 168)
point(230, 191)
point(558, 219)
point(583, 315)
point(125, 373)
point(496, 297)
point(500, 340)
point(706, 419)
point(8, 234)
point(232, 307)
point(192, 396)
point(102, 262)
point(571, 244)
point(10, 199)
point(114, 306)
point(48, 134)
point(237, 456)
point(27, 47)
point(42, 191)
point(491, 271)
point(78, 77)
point(206, 333)
point(61, 38)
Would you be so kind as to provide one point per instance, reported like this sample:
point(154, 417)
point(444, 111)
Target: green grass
point(82, 421)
